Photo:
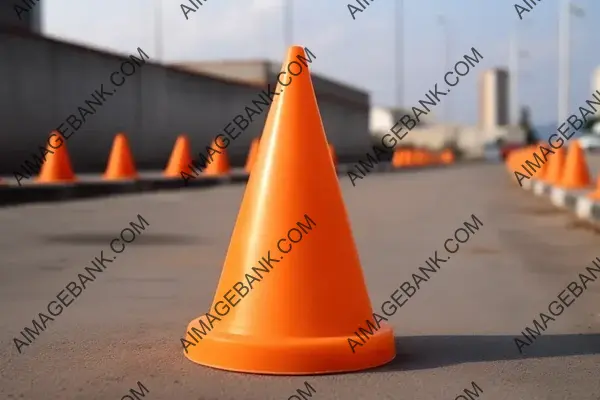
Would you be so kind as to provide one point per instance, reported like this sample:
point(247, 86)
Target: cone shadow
point(426, 352)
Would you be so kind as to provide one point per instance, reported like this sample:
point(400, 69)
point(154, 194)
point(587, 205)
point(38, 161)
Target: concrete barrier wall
point(44, 81)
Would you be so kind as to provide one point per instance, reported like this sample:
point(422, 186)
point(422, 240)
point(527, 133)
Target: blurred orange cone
point(220, 161)
point(398, 158)
point(298, 318)
point(251, 160)
point(576, 174)
point(120, 161)
point(556, 164)
point(447, 156)
point(595, 195)
point(181, 158)
point(57, 167)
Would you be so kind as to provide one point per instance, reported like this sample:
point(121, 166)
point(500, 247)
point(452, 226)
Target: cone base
point(55, 181)
point(575, 186)
point(216, 173)
point(594, 195)
point(291, 356)
point(120, 178)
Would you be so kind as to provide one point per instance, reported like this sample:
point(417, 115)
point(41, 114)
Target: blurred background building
point(493, 98)
point(46, 79)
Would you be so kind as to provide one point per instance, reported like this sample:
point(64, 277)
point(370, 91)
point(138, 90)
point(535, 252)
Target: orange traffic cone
point(120, 161)
point(295, 319)
point(556, 163)
point(576, 175)
point(595, 195)
point(333, 155)
point(447, 156)
point(398, 158)
point(252, 154)
point(220, 161)
point(181, 158)
point(57, 167)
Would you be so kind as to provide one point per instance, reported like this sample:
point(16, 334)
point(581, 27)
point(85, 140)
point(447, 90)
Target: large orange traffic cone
point(181, 158)
point(120, 161)
point(576, 175)
point(297, 318)
point(333, 155)
point(220, 161)
point(595, 195)
point(252, 153)
point(556, 165)
point(57, 167)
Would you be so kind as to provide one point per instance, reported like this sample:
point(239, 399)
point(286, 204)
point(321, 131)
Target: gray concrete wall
point(44, 81)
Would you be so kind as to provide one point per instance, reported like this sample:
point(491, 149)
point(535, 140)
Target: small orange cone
point(120, 161)
point(296, 319)
point(398, 158)
point(181, 158)
point(333, 155)
point(447, 156)
point(252, 154)
point(595, 195)
point(220, 161)
point(576, 175)
point(57, 167)
point(556, 164)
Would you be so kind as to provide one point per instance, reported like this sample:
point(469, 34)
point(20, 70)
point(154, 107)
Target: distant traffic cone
point(220, 161)
point(120, 161)
point(57, 166)
point(298, 318)
point(541, 173)
point(409, 158)
point(398, 158)
point(556, 165)
point(251, 160)
point(595, 195)
point(576, 175)
point(333, 155)
point(447, 156)
point(181, 158)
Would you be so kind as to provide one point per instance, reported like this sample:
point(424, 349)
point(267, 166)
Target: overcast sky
point(357, 52)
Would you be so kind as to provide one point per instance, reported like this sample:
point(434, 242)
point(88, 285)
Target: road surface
point(459, 328)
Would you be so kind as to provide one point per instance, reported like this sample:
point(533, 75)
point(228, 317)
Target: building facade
point(494, 107)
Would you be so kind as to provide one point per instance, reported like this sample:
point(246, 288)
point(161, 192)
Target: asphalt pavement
point(458, 328)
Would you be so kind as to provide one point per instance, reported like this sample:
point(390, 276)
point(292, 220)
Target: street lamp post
point(446, 32)
point(288, 21)
point(563, 60)
point(399, 52)
point(158, 29)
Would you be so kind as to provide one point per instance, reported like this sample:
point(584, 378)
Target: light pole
point(158, 29)
point(399, 52)
point(443, 22)
point(563, 60)
point(288, 21)
point(515, 56)
point(566, 8)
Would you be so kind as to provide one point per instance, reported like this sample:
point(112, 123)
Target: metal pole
point(158, 29)
point(563, 59)
point(514, 76)
point(399, 51)
point(288, 21)
point(446, 32)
